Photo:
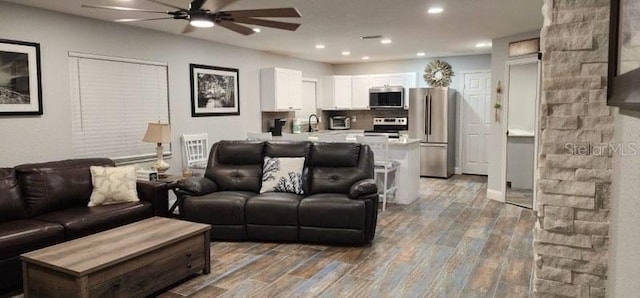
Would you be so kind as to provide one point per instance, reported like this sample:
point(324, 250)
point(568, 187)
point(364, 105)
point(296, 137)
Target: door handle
point(432, 145)
point(426, 114)
point(430, 112)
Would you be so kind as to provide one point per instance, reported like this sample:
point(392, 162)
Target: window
point(113, 100)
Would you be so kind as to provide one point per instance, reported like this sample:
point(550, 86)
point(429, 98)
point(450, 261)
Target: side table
point(171, 183)
point(164, 185)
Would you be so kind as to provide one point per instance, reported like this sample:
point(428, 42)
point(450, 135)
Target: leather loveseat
point(339, 205)
point(46, 203)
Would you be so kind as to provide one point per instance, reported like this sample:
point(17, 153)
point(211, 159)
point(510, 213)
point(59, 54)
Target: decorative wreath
point(438, 74)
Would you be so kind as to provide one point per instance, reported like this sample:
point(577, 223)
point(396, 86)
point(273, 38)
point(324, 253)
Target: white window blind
point(113, 100)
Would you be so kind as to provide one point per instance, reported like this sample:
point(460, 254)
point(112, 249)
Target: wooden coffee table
point(130, 261)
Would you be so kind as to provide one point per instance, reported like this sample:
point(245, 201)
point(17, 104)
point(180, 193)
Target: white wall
point(499, 55)
point(459, 64)
point(46, 138)
point(625, 209)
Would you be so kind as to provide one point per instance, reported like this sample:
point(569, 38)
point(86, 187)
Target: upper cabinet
point(407, 80)
point(352, 92)
point(380, 80)
point(338, 91)
point(360, 92)
point(280, 89)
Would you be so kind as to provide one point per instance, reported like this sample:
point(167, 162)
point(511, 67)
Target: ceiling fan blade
point(167, 4)
point(216, 5)
point(139, 20)
point(121, 8)
point(266, 13)
point(268, 23)
point(235, 27)
point(188, 29)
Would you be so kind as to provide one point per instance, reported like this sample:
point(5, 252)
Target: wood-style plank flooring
point(452, 242)
point(520, 197)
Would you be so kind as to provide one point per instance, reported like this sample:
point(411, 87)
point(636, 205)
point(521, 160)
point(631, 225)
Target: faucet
point(317, 121)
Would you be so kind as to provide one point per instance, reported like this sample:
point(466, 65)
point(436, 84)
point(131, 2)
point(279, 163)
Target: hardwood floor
point(452, 242)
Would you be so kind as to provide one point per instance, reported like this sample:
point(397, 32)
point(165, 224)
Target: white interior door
point(476, 116)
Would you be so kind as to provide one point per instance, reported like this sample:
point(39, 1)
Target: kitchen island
point(404, 151)
point(407, 152)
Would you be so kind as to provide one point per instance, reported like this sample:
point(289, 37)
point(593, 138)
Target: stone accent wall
point(574, 174)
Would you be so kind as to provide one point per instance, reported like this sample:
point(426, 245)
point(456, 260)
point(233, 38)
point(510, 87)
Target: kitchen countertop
point(313, 136)
point(337, 132)
point(403, 142)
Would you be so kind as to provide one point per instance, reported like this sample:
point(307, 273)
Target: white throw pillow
point(282, 174)
point(113, 185)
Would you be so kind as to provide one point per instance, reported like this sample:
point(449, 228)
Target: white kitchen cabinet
point(338, 93)
point(352, 92)
point(397, 79)
point(360, 92)
point(380, 80)
point(280, 89)
point(409, 81)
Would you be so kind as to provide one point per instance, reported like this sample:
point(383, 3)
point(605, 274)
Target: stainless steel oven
point(388, 97)
point(390, 127)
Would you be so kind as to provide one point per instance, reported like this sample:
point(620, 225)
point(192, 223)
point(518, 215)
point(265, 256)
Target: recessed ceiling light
point(386, 41)
point(365, 58)
point(434, 10)
point(421, 54)
point(256, 30)
point(483, 45)
point(319, 46)
point(346, 53)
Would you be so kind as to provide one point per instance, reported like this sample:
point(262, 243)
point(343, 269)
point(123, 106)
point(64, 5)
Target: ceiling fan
point(207, 13)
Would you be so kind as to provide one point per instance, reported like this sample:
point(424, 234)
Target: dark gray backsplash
point(364, 118)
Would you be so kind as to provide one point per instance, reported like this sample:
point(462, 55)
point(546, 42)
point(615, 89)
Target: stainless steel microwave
point(388, 97)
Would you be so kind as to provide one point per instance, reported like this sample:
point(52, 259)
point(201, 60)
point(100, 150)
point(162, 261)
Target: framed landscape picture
point(215, 91)
point(20, 81)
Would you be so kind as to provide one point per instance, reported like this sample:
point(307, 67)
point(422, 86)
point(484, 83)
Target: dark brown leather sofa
point(340, 204)
point(46, 203)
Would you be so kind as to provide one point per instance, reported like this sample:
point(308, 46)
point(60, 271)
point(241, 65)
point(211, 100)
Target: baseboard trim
point(458, 171)
point(495, 195)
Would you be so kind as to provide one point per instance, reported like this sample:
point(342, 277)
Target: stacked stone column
point(574, 169)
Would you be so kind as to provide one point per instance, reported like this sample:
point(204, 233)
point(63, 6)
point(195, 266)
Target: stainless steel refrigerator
point(432, 117)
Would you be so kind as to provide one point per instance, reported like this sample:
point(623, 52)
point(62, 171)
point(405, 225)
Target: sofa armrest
point(155, 193)
point(363, 188)
point(197, 186)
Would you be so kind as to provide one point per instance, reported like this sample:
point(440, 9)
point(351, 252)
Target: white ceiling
point(338, 24)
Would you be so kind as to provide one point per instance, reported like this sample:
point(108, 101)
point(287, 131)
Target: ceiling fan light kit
point(207, 13)
point(200, 21)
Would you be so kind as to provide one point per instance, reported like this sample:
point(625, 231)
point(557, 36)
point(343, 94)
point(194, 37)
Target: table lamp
point(158, 133)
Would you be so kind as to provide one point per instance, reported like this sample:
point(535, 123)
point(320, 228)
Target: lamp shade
point(157, 133)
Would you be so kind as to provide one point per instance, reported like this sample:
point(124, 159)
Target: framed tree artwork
point(623, 89)
point(215, 91)
point(20, 78)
